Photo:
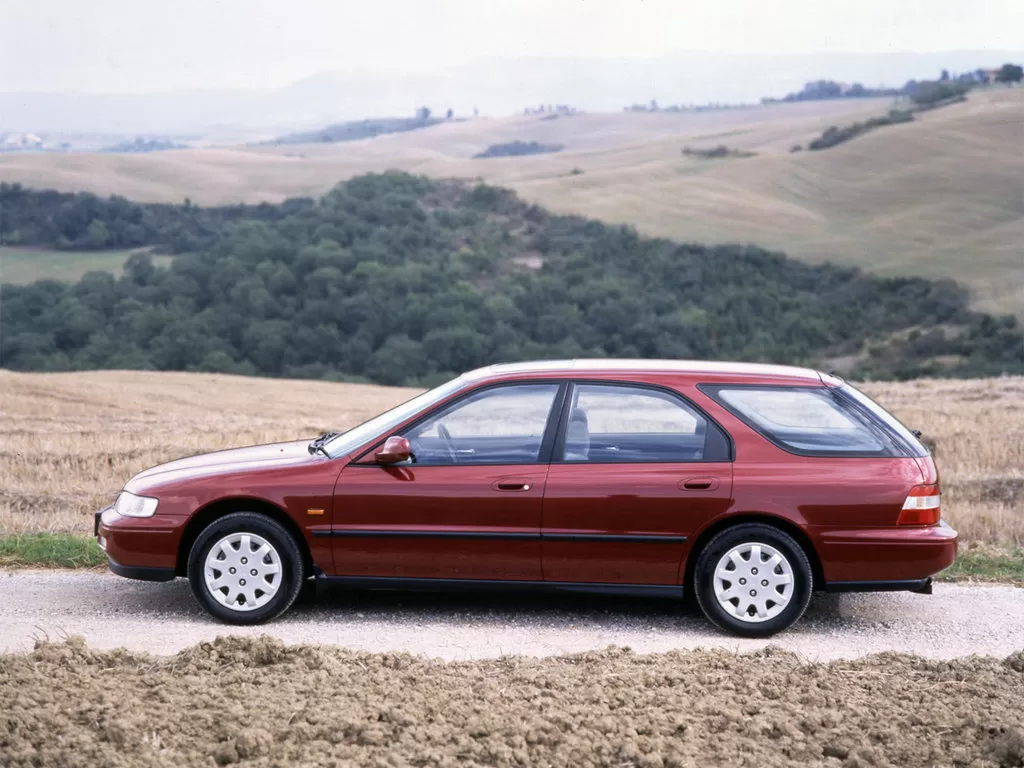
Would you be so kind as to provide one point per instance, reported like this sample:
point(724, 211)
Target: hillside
point(938, 197)
point(401, 279)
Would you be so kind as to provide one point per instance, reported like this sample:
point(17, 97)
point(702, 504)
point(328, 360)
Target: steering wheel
point(445, 435)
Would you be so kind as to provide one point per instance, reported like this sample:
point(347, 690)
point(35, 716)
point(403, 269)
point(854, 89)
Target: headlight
point(130, 505)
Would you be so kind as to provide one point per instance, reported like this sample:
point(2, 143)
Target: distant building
point(12, 141)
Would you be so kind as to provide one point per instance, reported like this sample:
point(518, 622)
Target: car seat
point(577, 438)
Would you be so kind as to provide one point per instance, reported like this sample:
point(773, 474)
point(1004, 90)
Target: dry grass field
point(21, 265)
point(69, 441)
point(940, 197)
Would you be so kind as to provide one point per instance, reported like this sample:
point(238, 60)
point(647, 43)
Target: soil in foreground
point(256, 702)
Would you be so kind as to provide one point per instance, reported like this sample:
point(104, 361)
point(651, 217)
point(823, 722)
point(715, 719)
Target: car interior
point(581, 445)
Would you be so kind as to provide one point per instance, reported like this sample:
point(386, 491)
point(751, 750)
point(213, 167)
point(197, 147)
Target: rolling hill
point(939, 197)
point(405, 279)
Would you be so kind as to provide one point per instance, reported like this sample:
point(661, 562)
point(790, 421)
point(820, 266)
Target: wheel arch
point(784, 525)
point(215, 510)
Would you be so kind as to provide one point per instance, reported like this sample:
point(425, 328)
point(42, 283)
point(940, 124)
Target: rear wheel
point(753, 580)
point(245, 568)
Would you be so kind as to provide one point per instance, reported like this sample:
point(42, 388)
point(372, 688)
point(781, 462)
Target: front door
point(467, 505)
point(636, 470)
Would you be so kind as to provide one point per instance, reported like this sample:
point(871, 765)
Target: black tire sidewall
point(280, 539)
point(703, 578)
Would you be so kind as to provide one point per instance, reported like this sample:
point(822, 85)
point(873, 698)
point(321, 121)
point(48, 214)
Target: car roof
point(710, 368)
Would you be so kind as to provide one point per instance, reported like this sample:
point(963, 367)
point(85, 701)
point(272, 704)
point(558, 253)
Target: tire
point(765, 597)
point(265, 580)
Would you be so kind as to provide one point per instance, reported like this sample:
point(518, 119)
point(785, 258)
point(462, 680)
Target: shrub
point(517, 148)
point(718, 152)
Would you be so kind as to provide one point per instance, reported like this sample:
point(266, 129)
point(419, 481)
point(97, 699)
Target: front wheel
point(753, 580)
point(245, 568)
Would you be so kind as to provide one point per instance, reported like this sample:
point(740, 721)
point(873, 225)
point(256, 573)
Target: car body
point(629, 477)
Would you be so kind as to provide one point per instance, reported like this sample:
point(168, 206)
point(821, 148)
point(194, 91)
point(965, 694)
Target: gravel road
point(111, 612)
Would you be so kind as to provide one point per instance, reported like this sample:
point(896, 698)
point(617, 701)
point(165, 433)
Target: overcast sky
point(117, 46)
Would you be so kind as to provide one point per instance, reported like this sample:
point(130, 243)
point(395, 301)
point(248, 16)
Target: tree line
point(919, 91)
point(84, 221)
point(927, 96)
point(400, 279)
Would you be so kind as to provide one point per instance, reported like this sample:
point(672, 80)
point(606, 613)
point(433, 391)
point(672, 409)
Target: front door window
point(501, 425)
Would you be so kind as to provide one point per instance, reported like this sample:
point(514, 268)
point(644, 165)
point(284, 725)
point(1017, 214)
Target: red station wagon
point(749, 485)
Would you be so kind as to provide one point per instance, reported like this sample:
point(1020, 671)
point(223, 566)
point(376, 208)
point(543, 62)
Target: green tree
point(98, 234)
point(404, 280)
point(398, 361)
point(1010, 73)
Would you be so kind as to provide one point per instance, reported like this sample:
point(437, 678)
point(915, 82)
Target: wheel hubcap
point(243, 588)
point(753, 582)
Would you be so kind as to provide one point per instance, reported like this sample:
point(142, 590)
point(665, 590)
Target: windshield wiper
point(318, 443)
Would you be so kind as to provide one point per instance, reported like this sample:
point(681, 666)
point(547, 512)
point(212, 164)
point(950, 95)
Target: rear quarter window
point(907, 436)
point(809, 421)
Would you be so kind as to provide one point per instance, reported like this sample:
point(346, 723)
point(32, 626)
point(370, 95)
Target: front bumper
point(138, 548)
point(141, 572)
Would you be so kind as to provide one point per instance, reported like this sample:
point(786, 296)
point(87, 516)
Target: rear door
point(635, 471)
point(467, 505)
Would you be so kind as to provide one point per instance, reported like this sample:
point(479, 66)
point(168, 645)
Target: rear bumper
point(920, 586)
point(903, 558)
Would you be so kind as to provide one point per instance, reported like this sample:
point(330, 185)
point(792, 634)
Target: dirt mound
point(256, 702)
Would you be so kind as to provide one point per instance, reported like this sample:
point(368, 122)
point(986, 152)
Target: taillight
point(922, 506)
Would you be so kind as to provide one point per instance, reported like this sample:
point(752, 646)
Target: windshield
point(347, 442)
point(916, 446)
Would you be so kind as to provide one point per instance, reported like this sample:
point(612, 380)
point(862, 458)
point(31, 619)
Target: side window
point(502, 425)
point(806, 420)
point(620, 423)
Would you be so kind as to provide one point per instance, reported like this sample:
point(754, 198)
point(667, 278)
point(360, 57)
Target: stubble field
point(70, 440)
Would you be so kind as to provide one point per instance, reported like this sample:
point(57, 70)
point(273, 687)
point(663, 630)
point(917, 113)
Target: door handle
point(512, 485)
point(699, 484)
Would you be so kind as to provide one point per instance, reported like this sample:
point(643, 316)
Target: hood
point(256, 457)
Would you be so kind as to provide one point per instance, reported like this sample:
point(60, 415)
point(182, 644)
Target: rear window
point(812, 421)
point(916, 446)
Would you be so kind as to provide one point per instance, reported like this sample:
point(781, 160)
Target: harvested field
point(256, 702)
point(70, 440)
point(976, 431)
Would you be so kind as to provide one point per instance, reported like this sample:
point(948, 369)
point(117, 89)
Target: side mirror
point(394, 450)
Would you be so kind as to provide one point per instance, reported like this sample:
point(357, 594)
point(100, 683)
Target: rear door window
point(612, 423)
point(807, 420)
